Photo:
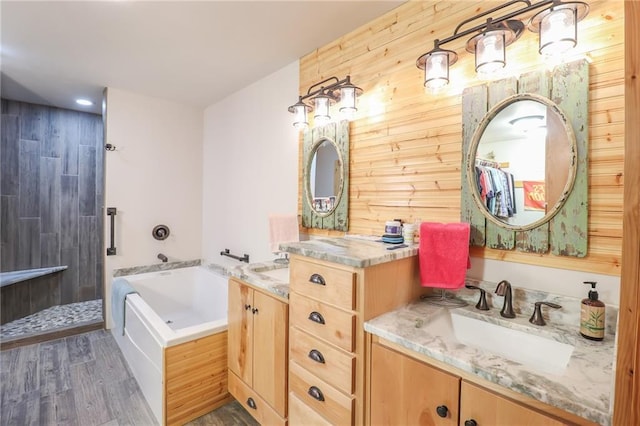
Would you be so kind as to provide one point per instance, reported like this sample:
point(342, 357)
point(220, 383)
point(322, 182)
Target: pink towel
point(282, 229)
point(444, 254)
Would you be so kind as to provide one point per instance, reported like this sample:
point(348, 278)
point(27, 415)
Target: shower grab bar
point(244, 258)
point(111, 212)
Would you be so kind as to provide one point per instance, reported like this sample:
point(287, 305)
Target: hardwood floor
point(82, 380)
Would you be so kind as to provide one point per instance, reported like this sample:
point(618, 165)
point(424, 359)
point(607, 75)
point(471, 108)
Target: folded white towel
point(282, 229)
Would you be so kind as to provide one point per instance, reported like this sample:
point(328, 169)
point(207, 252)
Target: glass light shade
point(558, 31)
point(299, 110)
point(300, 121)
point(348, 101)
point(490, 53)
point(436, 70)
point(321, 106)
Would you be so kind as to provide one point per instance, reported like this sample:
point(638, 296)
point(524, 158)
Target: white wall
point(250, 166)
point(153, 177)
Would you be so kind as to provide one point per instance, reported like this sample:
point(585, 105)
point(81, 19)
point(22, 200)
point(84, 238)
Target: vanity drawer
point(331, 324)
point(323, 398)
point(302, 414)
point(331, 285)
point(323, 360)
point(256, 406)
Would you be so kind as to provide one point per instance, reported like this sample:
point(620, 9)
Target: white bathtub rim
point(161, 332)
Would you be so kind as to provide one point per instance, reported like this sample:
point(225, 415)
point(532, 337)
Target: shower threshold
point(55, 320)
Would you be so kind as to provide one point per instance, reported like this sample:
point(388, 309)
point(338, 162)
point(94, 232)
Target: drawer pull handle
point(254, 311)
point(247, 307)
point(470, 422)
point(317, 279)
point(442, 410)
point(315, 355)
point(316, 393)
point(251, 403)
point(316, 317)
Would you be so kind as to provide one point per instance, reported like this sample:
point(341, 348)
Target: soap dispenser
point(592, 315)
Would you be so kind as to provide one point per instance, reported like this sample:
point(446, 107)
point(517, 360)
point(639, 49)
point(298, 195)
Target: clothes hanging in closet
point(496, 188)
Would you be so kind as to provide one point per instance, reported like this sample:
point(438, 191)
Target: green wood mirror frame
point(564, 232)
point(336, 216)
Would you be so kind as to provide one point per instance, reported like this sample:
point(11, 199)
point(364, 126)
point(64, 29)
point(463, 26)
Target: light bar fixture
point(323, 95)
point(556, 21)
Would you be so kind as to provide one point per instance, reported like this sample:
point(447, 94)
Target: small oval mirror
point(324, 178)
point(522, 162)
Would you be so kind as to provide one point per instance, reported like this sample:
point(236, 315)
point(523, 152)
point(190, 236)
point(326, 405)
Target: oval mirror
point(522, 162)
point(324, 178)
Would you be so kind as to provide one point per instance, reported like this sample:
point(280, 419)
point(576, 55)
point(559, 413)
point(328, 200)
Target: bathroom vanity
point(257, 345)
point(440, 374)
point(336, 285)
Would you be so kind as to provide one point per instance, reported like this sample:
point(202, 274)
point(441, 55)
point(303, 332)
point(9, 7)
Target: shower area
point(51, 221)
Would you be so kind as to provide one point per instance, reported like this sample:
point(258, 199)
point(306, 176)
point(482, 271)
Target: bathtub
point(175, 341)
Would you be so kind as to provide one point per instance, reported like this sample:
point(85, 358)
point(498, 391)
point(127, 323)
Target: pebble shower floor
point(61, 316)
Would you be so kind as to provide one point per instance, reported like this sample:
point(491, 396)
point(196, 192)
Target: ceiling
point(195, 53)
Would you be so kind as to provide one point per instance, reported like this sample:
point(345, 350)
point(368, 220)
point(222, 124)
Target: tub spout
point(163, 258)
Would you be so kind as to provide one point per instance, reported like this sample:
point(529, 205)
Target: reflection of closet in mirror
point(523, 162)
point(512, 152)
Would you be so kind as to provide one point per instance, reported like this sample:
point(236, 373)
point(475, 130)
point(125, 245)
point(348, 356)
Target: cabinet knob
point(316, 317)
point(247, 307)
point(470, 422)
point(317, 279)
point(251, 403)
point(254, 311)
point(442, 410)
point(316, 393)
point(316, 355)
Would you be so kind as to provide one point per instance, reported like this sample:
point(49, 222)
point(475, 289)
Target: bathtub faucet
point(162, 257)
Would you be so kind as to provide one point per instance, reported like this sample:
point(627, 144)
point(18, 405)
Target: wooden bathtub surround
point(420, 385)
point(195, 378)
point(257, 352)
point(349, 297)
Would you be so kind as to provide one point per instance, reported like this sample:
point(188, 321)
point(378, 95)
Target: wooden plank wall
point(406, 144)
point(627, 401)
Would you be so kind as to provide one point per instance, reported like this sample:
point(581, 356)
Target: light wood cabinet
point(329, 303)
point(480, 407)
point(257, 351)
point(409, 391)
point(405, 391)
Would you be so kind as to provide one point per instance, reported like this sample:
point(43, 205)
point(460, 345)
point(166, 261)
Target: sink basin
point(278, 274)
point(536, 352)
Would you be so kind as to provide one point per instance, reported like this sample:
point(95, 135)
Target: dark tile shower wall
point(51, 201)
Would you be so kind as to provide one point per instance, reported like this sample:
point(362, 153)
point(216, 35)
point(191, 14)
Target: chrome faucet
point(162, 257)
point(504, 289)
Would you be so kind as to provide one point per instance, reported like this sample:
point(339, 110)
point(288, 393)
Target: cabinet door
point(408, 392)
point(489, 409)
point(240, 331)
point(270, 330)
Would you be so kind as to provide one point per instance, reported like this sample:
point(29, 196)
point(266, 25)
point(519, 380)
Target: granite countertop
point(351, 250)
point(270, 276)
point(584, 388)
